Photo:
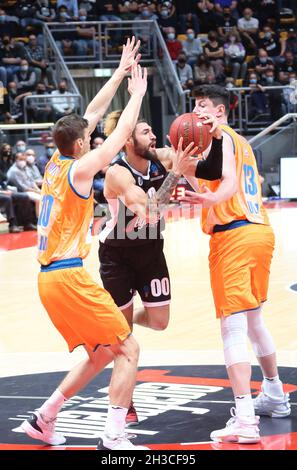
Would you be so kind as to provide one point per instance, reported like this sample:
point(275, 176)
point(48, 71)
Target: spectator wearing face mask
point(192, 47)
point(72, 7)
point(11, 55)
point(261, 63)
point(17, 176)
point(226, 23)
point(25, 78)
point(214, 50)
point(184, 72)
point(167, 16)
point(248, 26)
point(86, 42)
point(258, 102)
point(274, 95)
point(20, 147)
point(234, 56)
point(288, 66)
point(174, 46)
point(31, 167)
point(143, 31)
point(271, 43)
point(39, 109)
point(45, 11)
point(16, 206)
point(62, 103)
point(45, 157)
point(233, 97)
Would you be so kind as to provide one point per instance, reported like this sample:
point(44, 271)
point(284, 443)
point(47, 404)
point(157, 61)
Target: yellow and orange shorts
point(81, 310)
point(239, 262)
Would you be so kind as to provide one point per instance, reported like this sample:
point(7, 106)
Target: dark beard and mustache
point(145, 153)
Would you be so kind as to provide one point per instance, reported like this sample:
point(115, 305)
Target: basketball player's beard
point(146, 154)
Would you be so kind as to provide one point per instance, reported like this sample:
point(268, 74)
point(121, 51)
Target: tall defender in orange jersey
point(241, 248)
point(82, 311)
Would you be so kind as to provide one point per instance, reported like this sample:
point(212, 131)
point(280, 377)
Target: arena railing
point(106, 51)
point(21, 131)
point(56, 60)
point(33, 101)
point(242, 119)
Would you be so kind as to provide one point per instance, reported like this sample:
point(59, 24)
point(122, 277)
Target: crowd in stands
point(250, 43)
point(209, 41)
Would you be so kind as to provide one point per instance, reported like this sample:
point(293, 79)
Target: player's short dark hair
point(217, 94)
point(67, 130)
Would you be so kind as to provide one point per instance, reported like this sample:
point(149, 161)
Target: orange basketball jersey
point(65, 218)
point(246, 204)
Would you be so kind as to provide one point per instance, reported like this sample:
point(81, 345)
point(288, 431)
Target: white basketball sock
point(115, 422)
point(244, 405)
point(273, 386)
point(52, 406)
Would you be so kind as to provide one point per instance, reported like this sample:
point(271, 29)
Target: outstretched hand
point(138, 81)
point(129, 55)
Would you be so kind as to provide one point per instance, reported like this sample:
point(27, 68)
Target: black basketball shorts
point(141, 268)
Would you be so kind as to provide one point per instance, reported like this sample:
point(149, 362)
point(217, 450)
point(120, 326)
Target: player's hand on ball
point(181, 158)
point(210, 119)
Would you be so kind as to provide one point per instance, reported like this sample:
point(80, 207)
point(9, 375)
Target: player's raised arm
point(98, 106)
point(95, 160)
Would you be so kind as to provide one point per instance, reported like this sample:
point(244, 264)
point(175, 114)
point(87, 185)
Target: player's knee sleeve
point(259, 335)
point(234, 335)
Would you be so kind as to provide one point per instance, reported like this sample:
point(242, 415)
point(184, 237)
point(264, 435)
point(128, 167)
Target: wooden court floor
point(193, 333)
point(178, 366)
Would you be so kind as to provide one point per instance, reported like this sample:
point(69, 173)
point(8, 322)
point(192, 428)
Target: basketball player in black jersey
point(131, 249)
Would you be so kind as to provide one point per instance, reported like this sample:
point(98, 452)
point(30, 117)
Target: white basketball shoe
point(265, 405)
point(37, 428)
point(239, 429)
point(120, 443)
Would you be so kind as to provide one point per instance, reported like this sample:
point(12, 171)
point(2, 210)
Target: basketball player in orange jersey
point(82, 311)
point(131, 251)
point(241, 248)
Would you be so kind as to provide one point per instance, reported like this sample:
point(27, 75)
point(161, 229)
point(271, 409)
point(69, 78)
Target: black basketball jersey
point(124, 227)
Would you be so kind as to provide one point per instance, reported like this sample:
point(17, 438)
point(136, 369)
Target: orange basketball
point(191, 128)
